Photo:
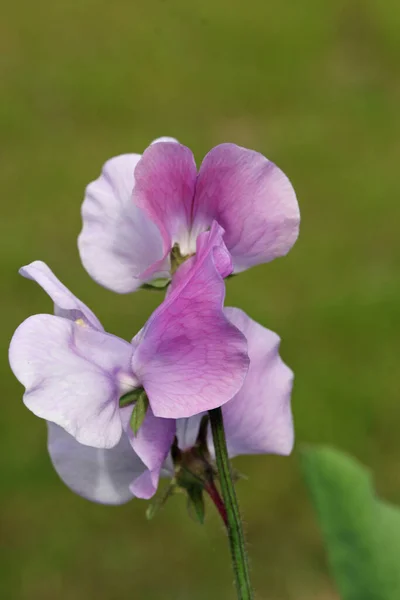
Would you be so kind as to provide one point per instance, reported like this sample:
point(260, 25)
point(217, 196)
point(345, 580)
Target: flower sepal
point(160, 500)
point(140, 401)
point(196, 506)
point(156, 285)
point(195, 473)
point(139, 411)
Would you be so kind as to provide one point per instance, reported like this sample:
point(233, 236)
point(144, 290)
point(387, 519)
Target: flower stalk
point(234, 523)
point(213, 492)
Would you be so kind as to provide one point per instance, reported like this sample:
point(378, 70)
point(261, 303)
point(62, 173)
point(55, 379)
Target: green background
point(315, 86)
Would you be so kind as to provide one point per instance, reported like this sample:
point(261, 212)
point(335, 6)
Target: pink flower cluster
point(155, 220)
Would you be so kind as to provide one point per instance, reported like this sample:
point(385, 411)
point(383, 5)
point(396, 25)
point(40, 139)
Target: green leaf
point(139, 412)
point(361, 532)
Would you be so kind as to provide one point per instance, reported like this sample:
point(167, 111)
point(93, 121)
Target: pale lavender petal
point(190, 357)
point(118, 241)
point(187, 431)
point(98, 474)
point(65, 303)
point(152, 444)
point(168, 468)
point(165, 138)
point(72, 376)
point(165, 182)
point(252, 199)
point(259, 418)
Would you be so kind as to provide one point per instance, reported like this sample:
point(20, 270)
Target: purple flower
point(144, 214)
point(257, 420)
point(188, 357)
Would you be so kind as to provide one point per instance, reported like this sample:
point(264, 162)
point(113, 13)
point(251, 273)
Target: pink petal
point(259, 418)
point(251, 199)
point(97, 474)
point(118, 242)
point(65, 303)
point(152, 444)
point(165, 181)
point(190, 357)
point(70, 375)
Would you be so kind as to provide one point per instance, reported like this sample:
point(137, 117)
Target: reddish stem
point(213, 492)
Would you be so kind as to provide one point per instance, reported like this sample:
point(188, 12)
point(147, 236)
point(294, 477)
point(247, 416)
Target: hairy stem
point(234, 523)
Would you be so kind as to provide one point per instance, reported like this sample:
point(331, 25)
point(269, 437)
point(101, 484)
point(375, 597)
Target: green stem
point(235, 529)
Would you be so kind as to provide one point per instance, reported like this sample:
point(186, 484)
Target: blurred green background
point(313, 85)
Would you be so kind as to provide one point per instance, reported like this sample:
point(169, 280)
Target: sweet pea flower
point(257, 420)
point(142, 216)
point(188, 357)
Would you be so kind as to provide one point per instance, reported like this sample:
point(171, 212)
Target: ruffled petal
point(97, 474)
point(252, 199)
point(259, 418)
point(152, 444)
point(165, 180)
point(65, 303)
point(118, 242)
point(190, 358)
point(71, 374)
